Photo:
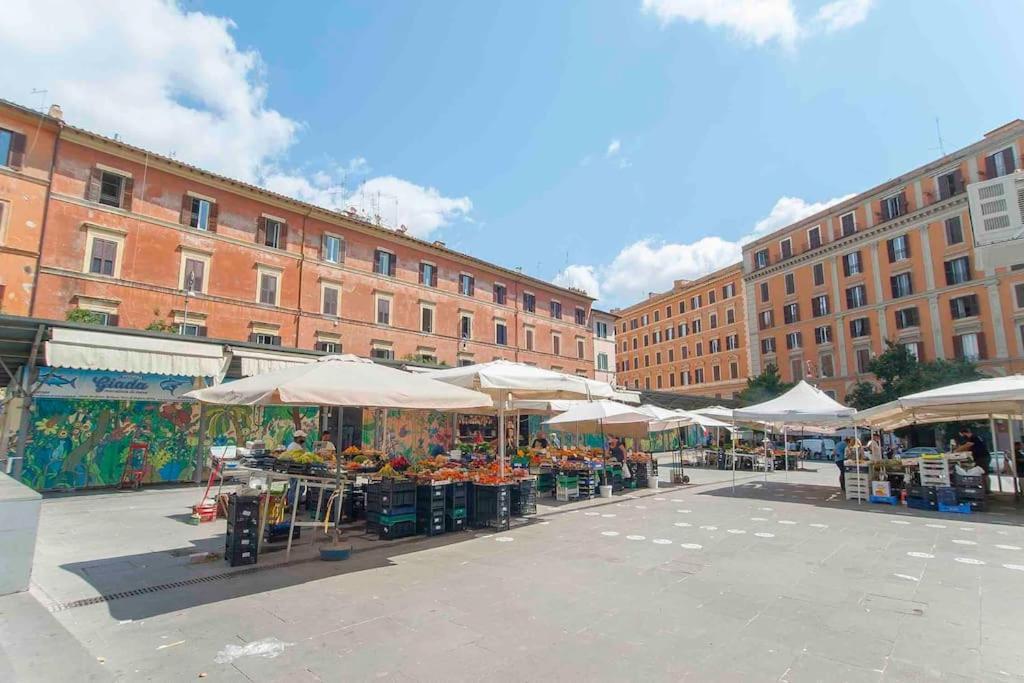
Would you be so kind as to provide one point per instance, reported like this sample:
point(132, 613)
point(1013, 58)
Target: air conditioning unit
point(997, 218)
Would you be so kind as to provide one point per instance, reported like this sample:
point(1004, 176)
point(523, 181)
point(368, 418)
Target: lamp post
point(190, 281)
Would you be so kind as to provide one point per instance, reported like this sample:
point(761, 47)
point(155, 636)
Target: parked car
point(917, 451)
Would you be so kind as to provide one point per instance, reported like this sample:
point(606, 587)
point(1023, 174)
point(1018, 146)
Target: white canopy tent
point(594, 416)
point(90, 350)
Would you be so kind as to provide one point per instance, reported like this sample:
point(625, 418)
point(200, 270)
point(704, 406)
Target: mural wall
point(83, 443)
point(411, 433)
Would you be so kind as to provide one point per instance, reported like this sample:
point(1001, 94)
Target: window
point(814, 237)
point(601, 329)
point(823, 334)
point(695, 302)
point(695, 326)
point(729, 290)
point(794, 340)
point(915, 349)
point(581, 349)
point(329, 296)
point(683, 329)
point(657, 336)
point(556, 310)
point(381, 352)
point(907, 317)
point(647, 340)
point(791, 313)
point(730, 316)
point(384, 263)
point(647, 383)
point(383, 310)
point(684, 351)
point(964, 307)
point(766, 319)
point(670, 333)
point(848, 221)
point(647, 361)
point(768, 345)
point(954, 231)
point(902, 285)
point(894, 206)
point(716, 373)
point(602, 362)
point(950, 184)
point(699, 351)
point(819, 305)
point(671, 355)
point(12, 148)
point(684, 377)
point(668, 311)
point(332, 249)
point(635, 341)
point(265, 338)
point(645, 320)
point(715, 346)
point(732, 342)
point(712, 296)
point(818, 270)
point(530, 304)
point(761, 259)
point(785, 248)
point(269, 290)
point(698, 376)
point(796, 366)
point(191, 330)
point(427, 319)
point(969, 346)
point(501, 334)
point(790, 283)
point(104, 256)
point(199, 213)
point(556, 344)
point(581, 316)
point(657, 358)
point(713, 320)
point(657, 316)
point(863, 360)
point(1018, 292)
point(111, 188)
point(856, 297)
point(682, 306)
point(428, 274)
point(825, 366)
point(958, 271)
point(1000, 164)
point(860, 327)
point(671, 379)
point(500, 294)
point(467, 284)
point(852, 264)
point(529, 339)
point(734, 370)
point(899, 249)
point(465, 326)
point(271, 233)
point(764, 292)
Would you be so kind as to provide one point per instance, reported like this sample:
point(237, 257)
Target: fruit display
point(301, 457)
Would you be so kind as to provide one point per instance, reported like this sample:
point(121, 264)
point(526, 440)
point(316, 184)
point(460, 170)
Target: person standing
point(841, 462)
point(969, 441)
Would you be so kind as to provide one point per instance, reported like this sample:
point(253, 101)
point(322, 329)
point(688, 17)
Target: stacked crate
point(922, 497)
point(241, 543)
point(391, 508)
point(858, 481)
point(641, 474)
point(567, 487)
point(430, 508)
point(456, 502)
point(546, 483)
point(588, 482)
point(524, 498)
point(971, 490)
point(489, 506)
point(934, 471)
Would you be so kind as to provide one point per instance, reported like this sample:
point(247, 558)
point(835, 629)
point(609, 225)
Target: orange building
point(142, 240)
point(690, 339)
point(932, 260)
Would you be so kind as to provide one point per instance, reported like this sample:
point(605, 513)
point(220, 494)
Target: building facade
point(690, 339)
point(603, 327)
point(139, 240)
point(932, 260)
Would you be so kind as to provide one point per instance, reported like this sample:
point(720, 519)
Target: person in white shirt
point(874, 448)
point(298, 442)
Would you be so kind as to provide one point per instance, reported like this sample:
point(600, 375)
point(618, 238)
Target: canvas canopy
point(343, 380)
point(975, 400)
point(599, 416)
point(89, 350)
point(255, 362)
point(804, 404)
point(516, 380)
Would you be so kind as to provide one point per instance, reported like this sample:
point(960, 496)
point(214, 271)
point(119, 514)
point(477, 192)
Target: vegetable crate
point(588, 485)
point(489, 506)
point(545, 482)
point(241, 543)
point(567, 487)
point(524, 498)
point(641, 474)
point(391, 526)
point(934, 471)
point(455, 519)
point(391, 497)
point(431, 501)
point(858, 487)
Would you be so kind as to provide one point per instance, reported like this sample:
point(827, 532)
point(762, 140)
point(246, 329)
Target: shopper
point(840, 462)
point(971, 442)
point(874, 448)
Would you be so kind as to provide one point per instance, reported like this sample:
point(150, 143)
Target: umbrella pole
point(734, 456)
point(1013, 456)
point(995, 445)
point(501, 433)
point(339, 492)
point(785, 451)
point(604, 453)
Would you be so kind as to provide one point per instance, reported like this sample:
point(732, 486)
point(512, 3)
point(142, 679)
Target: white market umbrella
point(593, 416)
point(342, 380)
point(504, 380)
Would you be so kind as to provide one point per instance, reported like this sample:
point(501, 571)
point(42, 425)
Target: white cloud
point(650, 266)
point(176, 82)
point(761, 21)
point(613, 148)
point(843, 14)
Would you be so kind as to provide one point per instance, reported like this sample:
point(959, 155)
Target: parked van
point(819, 449)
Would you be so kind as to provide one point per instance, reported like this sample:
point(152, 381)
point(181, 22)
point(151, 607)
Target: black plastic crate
point(388, 529)
point(431, 496)
point(489, 506)
point(969, 494)
point(243, 508)
point(523, 498)
point(274, 533)
point(390, 503)
point(454, 523)
point(969, 481)
point(945, 495)
point(431, 524)
point(456, 493)
point(922, 492)
point(241, 557)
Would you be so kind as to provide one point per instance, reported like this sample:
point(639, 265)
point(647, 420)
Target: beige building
point(603, 325)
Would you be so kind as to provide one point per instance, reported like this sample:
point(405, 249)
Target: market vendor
point(616, 451)
point(971, 442)
point(540, 442)
point(298, 443)
point(326, 446)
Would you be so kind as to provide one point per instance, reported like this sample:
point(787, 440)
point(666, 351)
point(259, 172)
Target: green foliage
point(417, 358)
point(899, 374)
point(159, 325)
point(764, 387)
point(80, 315)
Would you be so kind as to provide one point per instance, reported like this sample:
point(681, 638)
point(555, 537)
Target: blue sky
point(634, 142)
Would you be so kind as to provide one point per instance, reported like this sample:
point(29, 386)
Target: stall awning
point(258, 362)
point(88, 350)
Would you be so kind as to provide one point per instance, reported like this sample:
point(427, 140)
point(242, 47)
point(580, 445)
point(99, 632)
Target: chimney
point(439, 244)
point(55, 112)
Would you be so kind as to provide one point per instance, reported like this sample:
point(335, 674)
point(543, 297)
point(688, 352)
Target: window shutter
point(282, 240)
point(17, 156)
point(846, 269)
point(211, 223)
point(391, 265)
point(982, 353)
point(421, 276)
point(892, 250)
point(126, 194)
point(275, 340)
point(186, 210)
point(958, 347)
point(949, 272)
point(202, 330)
point(990, 167)
point(261, 231)
point(252, 337)
point(958, 181)
point(901, 203)
point(113, 320)
point(1008, 160)
point(92, 192)
point(323, 247)
point(433, 278)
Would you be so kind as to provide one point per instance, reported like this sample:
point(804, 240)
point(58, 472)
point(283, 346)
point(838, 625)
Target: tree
point(765, 386)
point(899, 373)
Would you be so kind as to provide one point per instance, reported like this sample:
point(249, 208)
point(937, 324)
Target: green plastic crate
point(457, 513)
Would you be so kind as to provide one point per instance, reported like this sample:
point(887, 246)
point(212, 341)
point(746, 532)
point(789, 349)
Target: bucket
point(652, 482)
point(605, 491)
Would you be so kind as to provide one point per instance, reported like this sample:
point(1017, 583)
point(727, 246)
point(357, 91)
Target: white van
point(819, 449)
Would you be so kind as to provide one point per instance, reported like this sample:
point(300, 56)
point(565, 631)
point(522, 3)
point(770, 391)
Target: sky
point(613, 146)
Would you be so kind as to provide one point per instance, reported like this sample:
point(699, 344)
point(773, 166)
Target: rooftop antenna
point(42, 97)
point(938, 134)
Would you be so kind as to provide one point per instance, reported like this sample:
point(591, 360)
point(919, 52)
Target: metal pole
point(501, 433)
point(992, 428)
point(734, 456)
point(1013, 456)
point(291, 526)
point(785, 451)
